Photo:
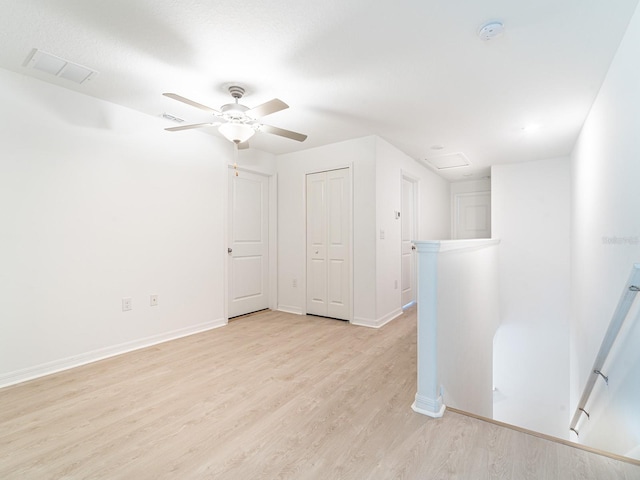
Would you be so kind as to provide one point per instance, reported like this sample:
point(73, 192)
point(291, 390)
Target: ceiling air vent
point(45, 62)
point(173, 118)
point(450, 160)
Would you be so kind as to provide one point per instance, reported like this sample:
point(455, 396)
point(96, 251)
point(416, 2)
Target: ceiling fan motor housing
point(239, 122)
point(236, 91)
point(234, 110)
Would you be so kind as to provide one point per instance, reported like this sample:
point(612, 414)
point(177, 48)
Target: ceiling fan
point(237, 122)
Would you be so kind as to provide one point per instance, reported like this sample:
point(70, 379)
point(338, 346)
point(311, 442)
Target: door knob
point(229, 250)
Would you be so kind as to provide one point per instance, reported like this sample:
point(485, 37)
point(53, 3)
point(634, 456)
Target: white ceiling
point(411, 71)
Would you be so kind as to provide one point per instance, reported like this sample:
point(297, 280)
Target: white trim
point(352, 241)
point(272, 236)
point(225, 241)
point(364, 322)
point(404, 175)
point(381, 322)
point(290, 309)
point(454, 198)
point(433, 414)
point(444, 246)
point(55, 366)
point(273, 241)
point(390, 316)
point(249, 170)
point(348, 166)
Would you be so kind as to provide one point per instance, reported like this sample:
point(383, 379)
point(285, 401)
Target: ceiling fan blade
point(283, 133)
point(243, 145)
point(187, 127)
point(191, 102)
point(267, 108)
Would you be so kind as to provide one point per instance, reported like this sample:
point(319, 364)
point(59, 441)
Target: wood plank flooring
point(270, 396)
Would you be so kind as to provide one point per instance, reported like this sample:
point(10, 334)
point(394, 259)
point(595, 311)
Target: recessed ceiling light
point(490, 30)
point(531, 128)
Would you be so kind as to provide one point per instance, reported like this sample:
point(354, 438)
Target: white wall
point(97, 203)
point(531, 217)
point(468, 315)
point(606, 222)
point(614, 423)
point(292, 168)
point(464, 188)
point(470, 186)
point(432, 215)
point(256, 161)
point(377, 173)
point(433, 192)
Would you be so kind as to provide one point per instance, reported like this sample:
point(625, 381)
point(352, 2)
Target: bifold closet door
point(329, 243)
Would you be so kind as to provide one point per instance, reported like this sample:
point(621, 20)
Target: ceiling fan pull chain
point(235, 156)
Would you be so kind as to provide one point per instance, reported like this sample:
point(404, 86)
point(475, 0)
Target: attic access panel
point(450, 160)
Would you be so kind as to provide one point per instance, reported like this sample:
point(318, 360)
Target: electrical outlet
point(153, 300)
point(381, 234)
point(127, 304)
point(294, 283)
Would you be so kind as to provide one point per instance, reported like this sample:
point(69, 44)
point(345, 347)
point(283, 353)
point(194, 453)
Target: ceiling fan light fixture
point(236, 132)
point(237, 122)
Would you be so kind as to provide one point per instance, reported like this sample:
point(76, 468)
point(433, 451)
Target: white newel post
point(428, 399)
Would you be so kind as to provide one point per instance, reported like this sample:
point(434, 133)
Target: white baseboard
point(364, 322)
point(437, 414)
point(48, 368)
point(380, 322)
point(390, 316)
point(290, 309)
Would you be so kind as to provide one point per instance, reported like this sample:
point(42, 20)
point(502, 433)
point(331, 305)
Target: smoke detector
point(490, 30)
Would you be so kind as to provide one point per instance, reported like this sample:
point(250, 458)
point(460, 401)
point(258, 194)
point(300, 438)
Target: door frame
point(272, 180)
point(304, 227)
point(404, 175)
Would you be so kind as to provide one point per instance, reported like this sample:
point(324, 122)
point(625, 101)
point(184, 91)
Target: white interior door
point(329, 243)
point(248, 266)
point(317, 244)
point(408, 220)
point(472, 215)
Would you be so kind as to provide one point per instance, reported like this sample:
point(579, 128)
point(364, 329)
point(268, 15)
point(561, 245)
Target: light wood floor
point(270, 396)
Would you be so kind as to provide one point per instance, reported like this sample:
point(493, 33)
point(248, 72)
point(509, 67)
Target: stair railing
point(631, 289)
